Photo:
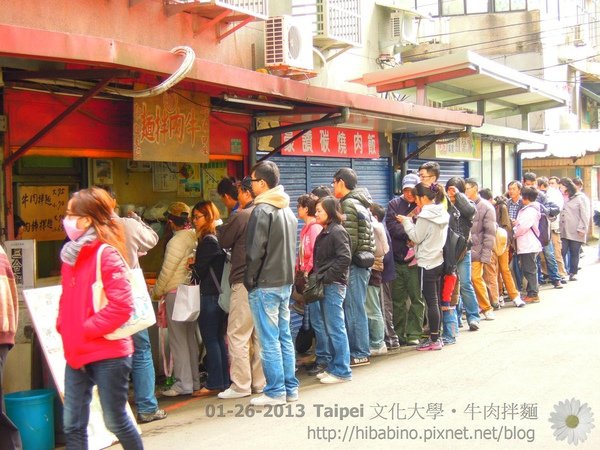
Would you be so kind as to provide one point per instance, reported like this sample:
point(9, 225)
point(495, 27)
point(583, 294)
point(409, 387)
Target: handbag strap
point(99, 262)
point(214, 277)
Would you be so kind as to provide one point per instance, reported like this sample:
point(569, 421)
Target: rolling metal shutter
point(448, 168)
point(302, 174)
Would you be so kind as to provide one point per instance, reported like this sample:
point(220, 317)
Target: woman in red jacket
point(91, 358)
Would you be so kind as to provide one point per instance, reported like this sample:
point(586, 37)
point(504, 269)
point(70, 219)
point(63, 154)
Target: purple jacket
point(399, 246)
point(527, 221)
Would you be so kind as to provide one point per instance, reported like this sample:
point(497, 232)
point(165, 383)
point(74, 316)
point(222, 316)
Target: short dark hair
point(431, 167)
point(555, 178)
point(569, 185)
point(542, 182)
point(578, 182)
point(322, 191)
point(529, 176)
point(472, 182)
point(529, 193)
point(486, 193)
point(348, 176)
point(457, 182)
point(332, 208)
point(433, 192)
point(308, 201)
point(267, 171)
point(516, 183)
point(378, 211)
point(228, 186)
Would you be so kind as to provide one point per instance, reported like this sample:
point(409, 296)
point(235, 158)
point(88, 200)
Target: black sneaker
point(159, 414)
point(355, 362)
point(557, 284)
point(315, 368)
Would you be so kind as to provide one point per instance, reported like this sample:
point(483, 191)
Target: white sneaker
point(518, 301)
point(379, 351)
point(489, 315)
point(231, 393)
point(291, 398)
point(322, 375)
point(266, 400)
point(332, 379)
point(173, 393)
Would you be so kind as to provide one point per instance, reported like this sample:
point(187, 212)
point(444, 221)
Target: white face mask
point(70, 226)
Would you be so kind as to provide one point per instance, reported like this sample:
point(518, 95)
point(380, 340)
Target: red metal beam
point(9, 161)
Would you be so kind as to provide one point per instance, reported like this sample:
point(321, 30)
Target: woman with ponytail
point(91, 358)
point(429, 235)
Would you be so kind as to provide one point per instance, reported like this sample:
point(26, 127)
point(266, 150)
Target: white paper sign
point(43, 308)
point(21, 255)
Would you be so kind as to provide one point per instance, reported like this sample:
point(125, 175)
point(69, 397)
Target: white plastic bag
point(187, 303)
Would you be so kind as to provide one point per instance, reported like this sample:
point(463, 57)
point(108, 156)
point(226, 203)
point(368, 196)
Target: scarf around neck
point(71, 249)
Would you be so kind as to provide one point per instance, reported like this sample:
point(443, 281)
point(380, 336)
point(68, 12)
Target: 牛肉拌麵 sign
point(169, 127)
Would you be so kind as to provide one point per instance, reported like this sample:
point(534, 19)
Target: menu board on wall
point(170, 127)
point(42, 209)
point(211, 175)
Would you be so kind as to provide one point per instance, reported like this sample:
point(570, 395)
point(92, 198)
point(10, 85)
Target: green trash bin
point(33, 414)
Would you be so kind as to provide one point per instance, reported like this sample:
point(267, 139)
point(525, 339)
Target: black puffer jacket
point(461, 213)
point(271, 241)
point(331, 255)
point(355, 205)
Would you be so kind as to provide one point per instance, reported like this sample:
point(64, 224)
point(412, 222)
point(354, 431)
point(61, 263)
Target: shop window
point(477, 6)
point(453, 7)
point(510, 5)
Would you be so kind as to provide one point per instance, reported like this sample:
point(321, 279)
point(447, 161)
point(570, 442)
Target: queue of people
point(401, 276)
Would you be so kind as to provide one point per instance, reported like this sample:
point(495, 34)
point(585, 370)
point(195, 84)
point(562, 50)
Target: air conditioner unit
point(403, 26)
point(339, 23)
point(288, 42)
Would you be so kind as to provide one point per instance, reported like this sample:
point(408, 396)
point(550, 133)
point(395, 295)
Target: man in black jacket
point(355, 202)
point(245, 369)
point(270, 260)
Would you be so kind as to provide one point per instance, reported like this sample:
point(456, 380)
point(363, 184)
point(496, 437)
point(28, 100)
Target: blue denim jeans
point(551, 263)
point(271, 313)
point(112, 378)
point(322, 352)
point(356, 314)
point(212, 330)
point(142, 374)
point(374, 317)
point(449, 325)
point(467, 293)
point(333, 312)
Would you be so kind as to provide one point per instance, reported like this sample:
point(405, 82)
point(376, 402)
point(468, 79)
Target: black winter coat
point(332, 255)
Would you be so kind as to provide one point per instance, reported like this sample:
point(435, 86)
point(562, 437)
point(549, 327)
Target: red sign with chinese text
point(333, 142)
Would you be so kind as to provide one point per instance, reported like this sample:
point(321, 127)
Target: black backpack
point(454, 250)
point(544, 230)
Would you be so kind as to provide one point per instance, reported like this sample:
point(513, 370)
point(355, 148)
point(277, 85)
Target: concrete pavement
point(496, 388)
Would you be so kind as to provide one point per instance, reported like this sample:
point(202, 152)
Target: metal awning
point(513, 134)
point(463, 80)
point(217, 79)
point(564, 144)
